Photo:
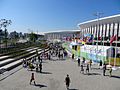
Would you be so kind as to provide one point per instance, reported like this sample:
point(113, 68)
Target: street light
point(98, 15)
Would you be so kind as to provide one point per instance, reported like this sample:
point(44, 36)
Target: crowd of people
point(86, 66)
point(57, 51)
point(34, 63)
point(61, 53)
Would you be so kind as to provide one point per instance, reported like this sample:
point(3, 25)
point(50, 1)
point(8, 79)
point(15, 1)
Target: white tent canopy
point(73, 43)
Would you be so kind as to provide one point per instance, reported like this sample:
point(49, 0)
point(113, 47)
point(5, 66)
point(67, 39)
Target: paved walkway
point(54, 73)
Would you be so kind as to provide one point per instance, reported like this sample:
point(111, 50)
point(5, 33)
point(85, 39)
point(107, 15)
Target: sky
point(53, 15)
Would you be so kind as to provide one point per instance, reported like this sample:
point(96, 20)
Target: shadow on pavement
point(46, 73)
point(95, 68)
point(44, 62)
point(92, 74)
point(58, 60)
point(73, 89)
point(40, 85)
point(113, 76)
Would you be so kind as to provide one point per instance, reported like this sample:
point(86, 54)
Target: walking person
point(78, 61)
point(41, 60)
point(87, 69)
point(49, 56)
point(104, 69)
point(72, 56)
point(100, 64)
point(59, 55)
point(67, 81)
point(40, 67)
point(90, 63)
point(83, 61)
point(24, 62)
point(82, 69)
point(32, 79)
point(110, 71)
point(36, 67)
point(31, 66)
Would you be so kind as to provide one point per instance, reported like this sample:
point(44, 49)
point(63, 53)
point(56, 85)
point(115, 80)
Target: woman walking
point(32, 79)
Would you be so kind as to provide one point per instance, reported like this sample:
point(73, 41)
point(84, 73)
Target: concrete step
point(17, 62)
point(5, 54)
point(8, 56)
point(10, 60)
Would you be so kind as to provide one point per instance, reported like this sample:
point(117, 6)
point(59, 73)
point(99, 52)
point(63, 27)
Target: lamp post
point(98, 15)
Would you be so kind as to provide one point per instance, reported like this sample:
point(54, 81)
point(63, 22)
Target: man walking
point(104, 69)
point(67, 81)
point(110, 71)
point(40, 67)
point(90, 63)
point(78, 61)
point(82, 69)
point(100, 64)
point(72, 56)
point(87, 69)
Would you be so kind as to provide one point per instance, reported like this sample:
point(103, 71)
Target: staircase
point(9, 61)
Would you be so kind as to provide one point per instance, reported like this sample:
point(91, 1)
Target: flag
point(85, 39)
point(113, 38)
point(83, 42)
point(99, 38)
point(91, 38)
point(70, 39)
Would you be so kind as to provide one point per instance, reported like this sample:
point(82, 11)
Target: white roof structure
point(73, 43)
point(114, 18)
point(40, 33)
point(59, 31)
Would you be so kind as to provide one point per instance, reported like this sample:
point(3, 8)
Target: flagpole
point(110, 49)
point(98, 14)
point(110, 53)
point(116, 46)
point(93, 48)
point(115, 53)
point(103, 48)
point(82, 41)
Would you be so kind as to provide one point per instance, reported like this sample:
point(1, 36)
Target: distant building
point(59, 35)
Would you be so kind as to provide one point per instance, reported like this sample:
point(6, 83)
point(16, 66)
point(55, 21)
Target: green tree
point(4, 23)
point(33, 37)
point(14, 37)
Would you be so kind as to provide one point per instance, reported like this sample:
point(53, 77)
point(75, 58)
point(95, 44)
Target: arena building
point(61, 34)
point(104, 45)
point(103, 28)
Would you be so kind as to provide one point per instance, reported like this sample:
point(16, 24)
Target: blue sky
point(52, 15)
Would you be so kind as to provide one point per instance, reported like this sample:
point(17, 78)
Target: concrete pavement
point(54, 73)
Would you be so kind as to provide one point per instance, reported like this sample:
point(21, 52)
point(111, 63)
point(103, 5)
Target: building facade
point(59, 35)
point(101, 48)
point(103, 27)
